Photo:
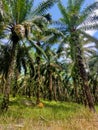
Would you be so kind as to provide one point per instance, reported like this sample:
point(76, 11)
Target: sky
point(56, 13)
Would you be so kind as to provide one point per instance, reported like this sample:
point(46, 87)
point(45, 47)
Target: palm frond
point(38, 48)
point(58, 24)
point(42, 8)
point(93, 39)
point(53, 35)
point(93, 61)
point(70, 4)
point(41, 21)
point(6, 11)
point(95, 18)
point(61, 27)
point(78, 2)
point(64, 13)
point(89, 26)
point(90, 51)
point(19, 9)
point(88, 10)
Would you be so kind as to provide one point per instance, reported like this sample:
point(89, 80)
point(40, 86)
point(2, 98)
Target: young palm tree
point(20, 18)
point(73, 16)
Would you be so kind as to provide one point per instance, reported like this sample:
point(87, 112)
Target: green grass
point(53, 113)
point(51, 110)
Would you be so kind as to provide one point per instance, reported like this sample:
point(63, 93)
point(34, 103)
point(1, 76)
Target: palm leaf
point(38, 48)
point(93, 39)
point(43, 7)
point(89, 27)
point(18, 9)
point(78, 2)
point(64, 13)
point(88, 10)
point(70, 4)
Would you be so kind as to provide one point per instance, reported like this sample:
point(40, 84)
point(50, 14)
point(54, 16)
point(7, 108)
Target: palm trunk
point(81, 70)
point(5, 102)
point(55, 89)
point(59, 90)
point(75, 90)
point(15, 83)
point(38, 75)
point(84, 78)
point(50, 84)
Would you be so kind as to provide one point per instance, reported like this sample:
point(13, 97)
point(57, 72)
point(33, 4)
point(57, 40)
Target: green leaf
point(39, 48)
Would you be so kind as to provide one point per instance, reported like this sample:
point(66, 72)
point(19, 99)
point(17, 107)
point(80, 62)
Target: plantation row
point(48, 59)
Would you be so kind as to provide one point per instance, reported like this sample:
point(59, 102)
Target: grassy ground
point(23, 114)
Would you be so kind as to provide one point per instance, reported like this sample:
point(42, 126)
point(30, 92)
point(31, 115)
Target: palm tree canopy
point(74, 15)
point(19, 10)
point(20, 17)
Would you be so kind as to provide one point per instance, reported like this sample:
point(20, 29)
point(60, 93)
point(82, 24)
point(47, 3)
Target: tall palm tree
point(20, 18)
point(72, 17)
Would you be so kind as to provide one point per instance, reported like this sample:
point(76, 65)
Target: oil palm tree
point(72, 17)
point(24, 64)
point(19, 19)
point(43, 37)
point(51, 68)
